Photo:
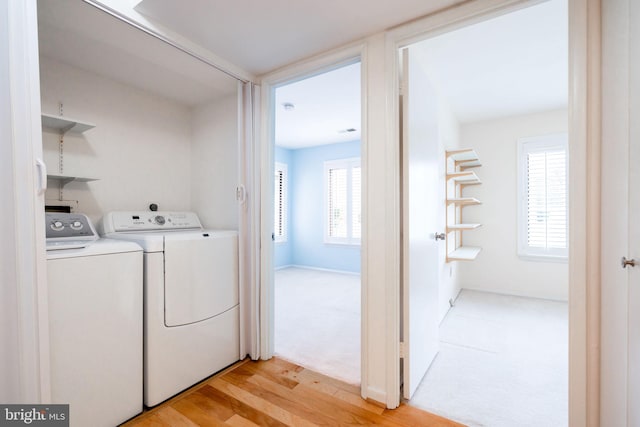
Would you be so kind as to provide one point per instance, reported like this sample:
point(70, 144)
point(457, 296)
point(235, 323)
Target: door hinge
point(402, 350)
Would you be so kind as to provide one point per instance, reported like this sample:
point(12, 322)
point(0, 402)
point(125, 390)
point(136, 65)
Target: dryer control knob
point(160, 220)
point(76, 225)
point(57, 225)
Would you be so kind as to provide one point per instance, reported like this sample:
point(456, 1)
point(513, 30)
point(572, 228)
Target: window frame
point(281, 199)
point(349, 164)
point(535, 145)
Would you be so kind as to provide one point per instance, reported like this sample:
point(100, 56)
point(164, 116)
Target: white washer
point(191, 304)
point(95, 322)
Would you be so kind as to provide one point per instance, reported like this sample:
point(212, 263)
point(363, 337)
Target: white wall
point(140, 148)
point(214, 165)
point(498, 267)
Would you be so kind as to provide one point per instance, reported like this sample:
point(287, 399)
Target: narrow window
point(543, 197)
point(280, 203)
point(343, 201)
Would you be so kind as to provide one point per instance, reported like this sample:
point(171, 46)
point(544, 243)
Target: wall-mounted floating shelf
point(458, 177)
point(64, 125)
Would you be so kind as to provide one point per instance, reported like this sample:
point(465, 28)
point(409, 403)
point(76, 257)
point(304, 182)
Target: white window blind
point(343, 201)
point(543, 195)
point(280, 203)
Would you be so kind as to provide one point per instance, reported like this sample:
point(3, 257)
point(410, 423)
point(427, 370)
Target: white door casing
point(420, 223)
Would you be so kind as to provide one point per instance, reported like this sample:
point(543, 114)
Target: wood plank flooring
point(278, 393)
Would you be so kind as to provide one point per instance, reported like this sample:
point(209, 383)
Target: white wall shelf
point(463, 226)
point(464, 253)
point(458, 177)
point(64, 125)
point(463, 201)
point(65, 179)
point(467, 177)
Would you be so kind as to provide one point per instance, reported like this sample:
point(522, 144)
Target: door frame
point(305, 69)
point(584, 178)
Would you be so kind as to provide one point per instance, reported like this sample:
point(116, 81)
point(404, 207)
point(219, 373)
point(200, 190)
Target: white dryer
point(95, 322)
point(191, 303)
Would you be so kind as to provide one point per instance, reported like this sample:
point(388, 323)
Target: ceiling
point(260, 36)
point(513, 64)
point(325, 106)
point(78, 34)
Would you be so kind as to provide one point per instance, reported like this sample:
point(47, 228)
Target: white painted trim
point(584, 211)
point(304, 69)
point(27, 204)
point(584, 42)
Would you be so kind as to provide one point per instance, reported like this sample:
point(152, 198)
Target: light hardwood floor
point(278, 393)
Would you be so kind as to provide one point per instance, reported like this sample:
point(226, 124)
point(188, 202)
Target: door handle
point(627, 262)
point(440, 236)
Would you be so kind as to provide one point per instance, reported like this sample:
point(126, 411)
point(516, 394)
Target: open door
point(420, 206)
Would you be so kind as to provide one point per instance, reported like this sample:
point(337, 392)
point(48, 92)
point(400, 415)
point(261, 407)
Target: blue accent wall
point(305, 245)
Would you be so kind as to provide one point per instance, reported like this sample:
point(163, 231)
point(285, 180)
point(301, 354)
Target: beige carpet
point(503, 362)
point(317, 321)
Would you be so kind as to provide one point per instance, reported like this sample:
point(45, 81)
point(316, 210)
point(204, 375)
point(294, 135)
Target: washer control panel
point(69, 226)
point(68, 231)
point(114, 222)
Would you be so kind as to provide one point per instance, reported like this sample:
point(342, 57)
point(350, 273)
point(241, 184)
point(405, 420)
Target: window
point(543, 197)
point(343, 218)
point(280, 203)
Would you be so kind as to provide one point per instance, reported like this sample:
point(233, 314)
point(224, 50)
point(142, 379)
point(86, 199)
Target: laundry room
point(143, 137)
point(163, 125)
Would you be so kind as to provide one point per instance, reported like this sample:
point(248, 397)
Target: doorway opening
point(317, 223)
point(495, 95)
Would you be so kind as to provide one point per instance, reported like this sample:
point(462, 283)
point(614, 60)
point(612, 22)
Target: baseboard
point(327, 270)
point(282, 267)
point(376, 396)
point(511, 293)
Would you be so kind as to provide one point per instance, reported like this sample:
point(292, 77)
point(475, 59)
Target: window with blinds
point(543, 197)
point(280, 203)
point(343, 216)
